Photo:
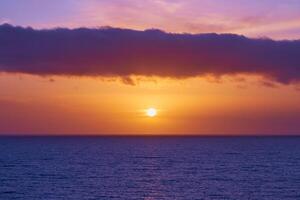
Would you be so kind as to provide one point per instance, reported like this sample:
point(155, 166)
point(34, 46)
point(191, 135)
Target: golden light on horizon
point(151, 112)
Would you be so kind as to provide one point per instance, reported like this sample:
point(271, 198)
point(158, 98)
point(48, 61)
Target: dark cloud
point(123, 52)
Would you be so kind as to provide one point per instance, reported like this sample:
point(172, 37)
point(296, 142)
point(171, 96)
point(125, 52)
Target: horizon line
point(149, 135)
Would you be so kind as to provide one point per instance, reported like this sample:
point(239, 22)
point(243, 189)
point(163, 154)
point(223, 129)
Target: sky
point(209, 67)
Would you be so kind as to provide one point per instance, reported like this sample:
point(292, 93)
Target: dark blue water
point(149, 168)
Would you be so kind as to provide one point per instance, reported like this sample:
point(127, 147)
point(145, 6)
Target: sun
point(151, 112)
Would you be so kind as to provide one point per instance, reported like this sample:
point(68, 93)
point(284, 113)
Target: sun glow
point(151, 112)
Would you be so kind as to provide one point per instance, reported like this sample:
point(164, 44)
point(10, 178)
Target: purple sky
point(257, 18)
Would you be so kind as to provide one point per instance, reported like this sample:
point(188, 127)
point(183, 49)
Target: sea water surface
point(149, 168)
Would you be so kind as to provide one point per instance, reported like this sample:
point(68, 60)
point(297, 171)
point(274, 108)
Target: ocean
point(33, 168)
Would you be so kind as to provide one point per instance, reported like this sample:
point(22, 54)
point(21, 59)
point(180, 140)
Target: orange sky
point(72, 105)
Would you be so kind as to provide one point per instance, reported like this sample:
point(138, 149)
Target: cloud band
point(124, 52)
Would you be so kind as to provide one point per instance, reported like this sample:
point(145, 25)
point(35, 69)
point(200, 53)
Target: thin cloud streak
point(125, 52)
